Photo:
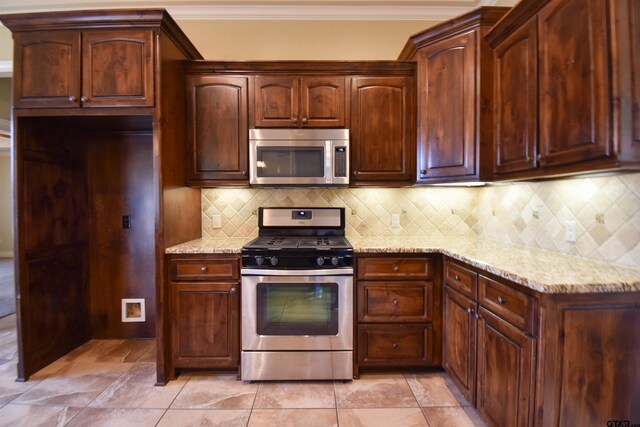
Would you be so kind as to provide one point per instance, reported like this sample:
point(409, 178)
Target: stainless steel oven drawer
point(297, 365)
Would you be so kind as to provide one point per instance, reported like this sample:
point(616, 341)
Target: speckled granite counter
point(543, 271)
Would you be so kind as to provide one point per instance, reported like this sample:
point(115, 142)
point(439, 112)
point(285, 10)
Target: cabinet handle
point(396, 268)
point(84, 99)
point(456, 277)
point(233, 290)
point(528, 158)
point(539, 157)
point(73, 98)
point(478, 317)
point(423, 171)
point(204, 269)
point(395, 345)
point(304, 120)
point(243, 173)
point(395, 301)
point(294, 119)
point(469, 310)
point(500, 300)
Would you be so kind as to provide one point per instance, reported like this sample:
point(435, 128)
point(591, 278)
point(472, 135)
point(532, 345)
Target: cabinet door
point(447, 116)
point(459, 347)
point(47, 69)
point(516, 98)
point(574, 82)
point(383, 129)
point(634, 17)
point(395, 345)
point(323, 102)
point(505, 372)
point(204, 324)
point(117, 68)
point(277, 101)
point(218, 130)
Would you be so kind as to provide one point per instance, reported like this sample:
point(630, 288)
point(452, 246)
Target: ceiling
point(272, 9)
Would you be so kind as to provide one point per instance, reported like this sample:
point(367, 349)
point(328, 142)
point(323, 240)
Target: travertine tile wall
point(606, 211)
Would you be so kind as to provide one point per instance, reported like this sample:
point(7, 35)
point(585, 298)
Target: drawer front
point(395, 268)
point(512, 305)
point(460, 278)
point(395, 302)
point(395, 345)
point(205, 269)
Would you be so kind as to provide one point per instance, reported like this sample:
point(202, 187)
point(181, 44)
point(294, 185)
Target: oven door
point(297, 310)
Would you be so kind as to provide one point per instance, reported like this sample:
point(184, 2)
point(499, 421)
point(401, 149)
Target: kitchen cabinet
point(92, 68)
point(398, 311)
point(563, 106)
point(383, 130)
point(454, 97)
point(204, 301)
point(292, 101)
point(488, 346)
point(217, 130)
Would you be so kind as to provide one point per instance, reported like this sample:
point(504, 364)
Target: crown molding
point(372, 10)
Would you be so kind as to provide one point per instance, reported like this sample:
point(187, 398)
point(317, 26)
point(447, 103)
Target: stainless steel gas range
point(297, 297)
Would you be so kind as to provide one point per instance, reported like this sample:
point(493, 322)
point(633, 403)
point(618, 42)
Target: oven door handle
point(325, 272)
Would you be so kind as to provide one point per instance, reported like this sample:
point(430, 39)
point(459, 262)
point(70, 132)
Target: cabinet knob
point(539, 157)
point(243, 173)
point(396, 268)
point(204, 269)
point(294, 119)
point(528, 158)
point(233, 290)
point(395, 301)
point(395, 345)
point(500, 300)
point(305, 120)
point(456, 277)
point(84, 99)
point(469, 310)
point(73, 98)
point(423, 171)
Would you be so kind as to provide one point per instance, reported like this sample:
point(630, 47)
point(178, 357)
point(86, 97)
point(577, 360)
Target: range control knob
point(334, 260)
point(320, 260)
point(274, 260)
point(259, 260)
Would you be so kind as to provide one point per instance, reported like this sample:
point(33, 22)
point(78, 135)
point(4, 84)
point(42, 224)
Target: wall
point(529, 213)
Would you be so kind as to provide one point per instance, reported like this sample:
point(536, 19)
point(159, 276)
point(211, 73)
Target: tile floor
point(110, 383)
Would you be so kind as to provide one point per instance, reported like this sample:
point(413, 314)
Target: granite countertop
point(537, 269)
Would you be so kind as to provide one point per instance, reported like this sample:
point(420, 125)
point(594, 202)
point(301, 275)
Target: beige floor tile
point(451, 416)
point(8, 323)
point(375, 391)
point(379, 417)
point(216, 391)
point(114, 351)
point(295, 394)
point(293, 417)
point(77, 384)
point(36, 416)
point(9, 388)
point(205, 417)
point(136, 388)
point(431, 389)
point(103, 417)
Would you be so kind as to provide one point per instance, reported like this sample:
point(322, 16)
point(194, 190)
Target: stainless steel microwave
point(299, 156)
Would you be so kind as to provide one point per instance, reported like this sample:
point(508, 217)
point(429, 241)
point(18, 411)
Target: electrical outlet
point(216, 221)
point(395, 220)
point(570, 231)
point(600, 218)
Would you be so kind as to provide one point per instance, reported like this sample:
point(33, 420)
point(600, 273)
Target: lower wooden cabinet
point(397, 345)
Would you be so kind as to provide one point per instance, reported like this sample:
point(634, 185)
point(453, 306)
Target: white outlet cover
point(216, 221)
point(570, 231)
point(395, 220)
point(133, 310)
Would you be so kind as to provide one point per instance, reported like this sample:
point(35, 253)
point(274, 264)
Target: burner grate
point(323, 241)
point(276, 241)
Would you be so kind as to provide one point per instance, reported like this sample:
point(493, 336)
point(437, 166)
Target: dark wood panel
point(512, 305)
point(206, 268)
point(394, 268)
point(218, 129)
point(459, 346)
point(120, 176)
point(460, 278)
point(47, 69)
point(322, 102)
point(447, 91)
point(634, 18)
point(397, 345)
point(506, 362)
point(573, 77)
point(277, 101)
point(117, 68)
point(395, 302)
point(516, 98)
point(205, 324)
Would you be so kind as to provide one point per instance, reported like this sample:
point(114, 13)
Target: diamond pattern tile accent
point(528, 213)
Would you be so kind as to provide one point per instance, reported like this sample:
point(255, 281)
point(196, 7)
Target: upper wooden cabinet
point(291, 101)
point(564, 72)
point(217, 130)
point(382, 130)
point(454, 97)
point(111, 68)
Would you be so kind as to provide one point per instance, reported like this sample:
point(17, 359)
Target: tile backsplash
point(606, 212)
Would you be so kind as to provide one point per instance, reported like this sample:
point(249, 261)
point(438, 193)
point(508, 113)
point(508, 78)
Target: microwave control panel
point(340, 162)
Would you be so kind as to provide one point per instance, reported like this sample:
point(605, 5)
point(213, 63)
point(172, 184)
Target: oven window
point(294, 162)
point(297, 309)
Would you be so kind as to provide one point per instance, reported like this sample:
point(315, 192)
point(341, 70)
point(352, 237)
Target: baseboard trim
point(6, 254)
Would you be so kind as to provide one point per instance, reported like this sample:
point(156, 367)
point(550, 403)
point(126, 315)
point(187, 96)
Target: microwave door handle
point(328, 166)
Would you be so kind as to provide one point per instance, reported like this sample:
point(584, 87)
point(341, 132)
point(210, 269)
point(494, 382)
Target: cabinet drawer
point(460, 278)
point(397, 345)
point(395, 301)
point(512, 305)
point(205, 269)
point(395, 268)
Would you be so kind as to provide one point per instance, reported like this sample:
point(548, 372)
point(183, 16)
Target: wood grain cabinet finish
point(395, 301)
point(388, 345)
point(634, 48)
point(391, 267)
point(382, 130)
point(204, 300)
point(460, 278)
point(217, 130)
point(84, 69)
point(292, 101)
